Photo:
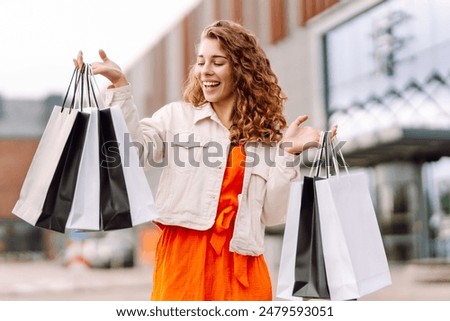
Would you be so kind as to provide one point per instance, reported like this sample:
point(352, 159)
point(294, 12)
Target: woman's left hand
point(299, 138)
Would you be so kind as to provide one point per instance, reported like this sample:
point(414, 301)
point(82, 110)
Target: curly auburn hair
point(259, 101)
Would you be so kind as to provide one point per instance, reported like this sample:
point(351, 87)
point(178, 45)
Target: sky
point(39, 38)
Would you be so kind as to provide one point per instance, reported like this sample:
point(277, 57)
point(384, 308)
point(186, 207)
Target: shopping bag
point(58, 200)
point(58, 204)
point(286, 271)
point(310, 274)
point(355, 258)
point(52, 145)
point(114, 202)
point(112, 191)
point(85, 210)
point(140, 197)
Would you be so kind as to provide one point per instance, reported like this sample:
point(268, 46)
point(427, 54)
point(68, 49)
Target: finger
point(100, 68)
point(301, 119)
point(79, 60)
point(103, 55)
point(95, 66)
point(318, 137)
point(333, 131)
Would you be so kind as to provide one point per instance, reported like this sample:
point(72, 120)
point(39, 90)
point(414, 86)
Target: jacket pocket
point(186, 151)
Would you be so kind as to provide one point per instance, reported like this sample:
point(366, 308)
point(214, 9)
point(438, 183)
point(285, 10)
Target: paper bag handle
point(327, 155)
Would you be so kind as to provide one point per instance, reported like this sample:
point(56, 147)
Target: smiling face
point(214, 72)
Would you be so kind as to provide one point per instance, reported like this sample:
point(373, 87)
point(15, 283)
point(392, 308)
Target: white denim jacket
point(191, 145)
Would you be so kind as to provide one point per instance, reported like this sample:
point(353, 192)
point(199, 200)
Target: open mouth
point(211, 84)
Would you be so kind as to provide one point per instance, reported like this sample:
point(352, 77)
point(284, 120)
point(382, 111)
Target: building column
point(402, 211)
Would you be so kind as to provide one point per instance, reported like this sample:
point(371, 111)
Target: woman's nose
point(206, 69)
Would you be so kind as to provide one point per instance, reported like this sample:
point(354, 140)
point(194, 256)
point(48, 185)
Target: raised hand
point(107, 68)
point(298, 138)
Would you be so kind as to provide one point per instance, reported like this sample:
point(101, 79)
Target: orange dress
point(196, 265)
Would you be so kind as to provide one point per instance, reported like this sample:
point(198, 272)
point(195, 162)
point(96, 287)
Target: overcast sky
point(39, 38)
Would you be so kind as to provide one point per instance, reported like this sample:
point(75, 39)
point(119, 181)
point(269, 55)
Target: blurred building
point(376, 68)
point(21, 125)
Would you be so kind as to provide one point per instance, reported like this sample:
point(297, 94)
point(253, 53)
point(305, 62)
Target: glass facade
point(387, 85)
point(398, 74)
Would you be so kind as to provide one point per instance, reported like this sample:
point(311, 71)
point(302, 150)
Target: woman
point(228, 159)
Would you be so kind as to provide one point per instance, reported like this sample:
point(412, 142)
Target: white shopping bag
point(354, 254)
point(85, 211)
point(142, 205)
point(43, 166)
point(286, 272)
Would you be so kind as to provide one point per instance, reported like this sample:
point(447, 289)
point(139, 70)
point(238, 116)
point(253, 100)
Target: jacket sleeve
point(285, 170)
point(148, 134)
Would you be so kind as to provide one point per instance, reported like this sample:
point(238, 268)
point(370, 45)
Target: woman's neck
point(224, 113)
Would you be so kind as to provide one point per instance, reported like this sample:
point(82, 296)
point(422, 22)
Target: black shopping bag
point(114, 202)
point(310, 274)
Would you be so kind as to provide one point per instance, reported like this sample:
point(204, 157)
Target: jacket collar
point(206, 111)
point(202, 112)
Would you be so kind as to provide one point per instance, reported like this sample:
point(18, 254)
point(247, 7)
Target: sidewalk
point(415, 282)
point(48, 280)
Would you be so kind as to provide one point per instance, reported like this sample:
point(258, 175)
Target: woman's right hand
point(106, 68)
